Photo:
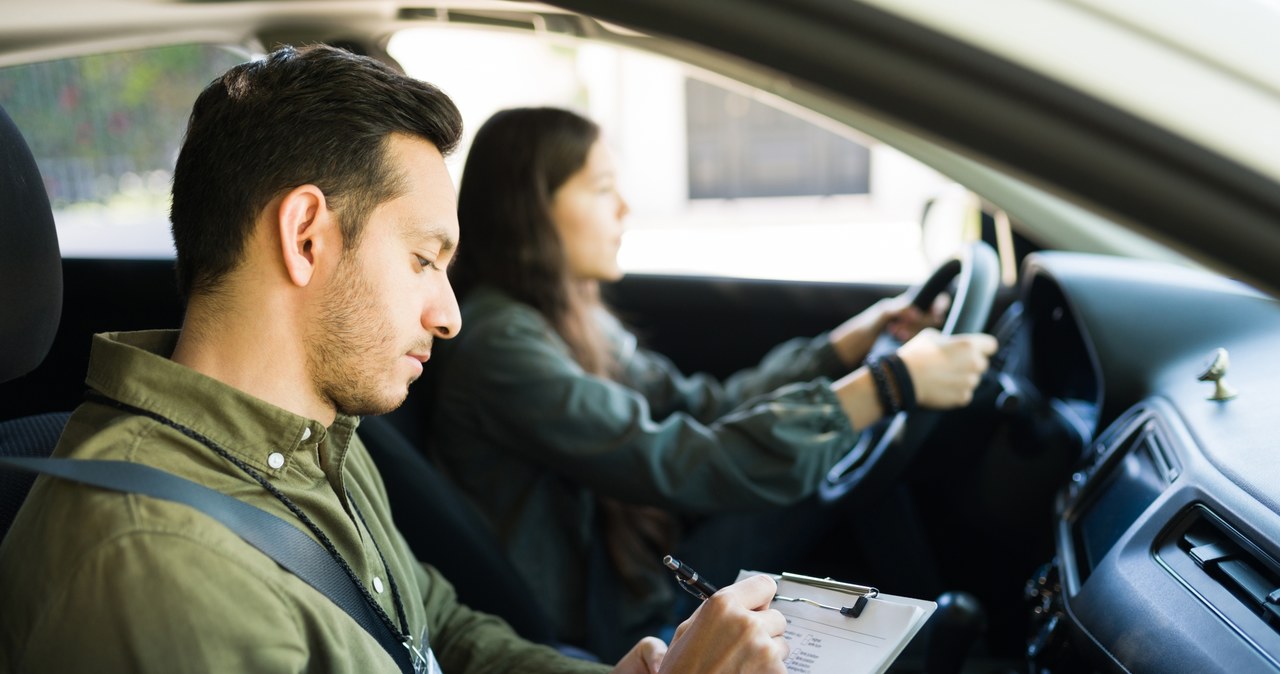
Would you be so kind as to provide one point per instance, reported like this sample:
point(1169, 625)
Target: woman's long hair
point(517, 161)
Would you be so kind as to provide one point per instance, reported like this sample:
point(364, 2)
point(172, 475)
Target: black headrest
point(30, 263)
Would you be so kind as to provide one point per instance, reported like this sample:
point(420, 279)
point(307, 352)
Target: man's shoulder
point(73, 543)
point(136, 577)
point(64, 526)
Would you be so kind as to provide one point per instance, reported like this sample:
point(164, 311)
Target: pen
point(689, 579)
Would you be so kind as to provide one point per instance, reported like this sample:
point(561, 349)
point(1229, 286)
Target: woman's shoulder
point(493, 320)
point(503, 335)
point(486, 309)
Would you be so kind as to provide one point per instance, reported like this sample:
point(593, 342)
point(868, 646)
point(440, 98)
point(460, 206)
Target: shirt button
point(306, 433)
point(275, 459)
point(377, 585)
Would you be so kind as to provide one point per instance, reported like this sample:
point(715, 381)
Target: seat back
point(30, 263)
point(31, 298)
point(447, 532)
point(24, 436)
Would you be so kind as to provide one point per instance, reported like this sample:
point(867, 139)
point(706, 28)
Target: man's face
point(390, 297)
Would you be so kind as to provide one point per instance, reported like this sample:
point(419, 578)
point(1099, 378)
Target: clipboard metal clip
point(829, 584)
point(862, 592)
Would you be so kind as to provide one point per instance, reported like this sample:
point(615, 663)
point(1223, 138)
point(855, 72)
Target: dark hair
point(517, 161)
point(314, 115)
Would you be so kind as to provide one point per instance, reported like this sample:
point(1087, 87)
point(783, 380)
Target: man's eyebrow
point(413, 230)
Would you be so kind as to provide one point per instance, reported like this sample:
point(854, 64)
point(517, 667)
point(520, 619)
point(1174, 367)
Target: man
point(313, 219)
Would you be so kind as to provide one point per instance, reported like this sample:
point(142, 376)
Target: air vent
point(1237, 565)
point(1158, 448)
point(411, 13)
point(549, 22)
point(1228, 572)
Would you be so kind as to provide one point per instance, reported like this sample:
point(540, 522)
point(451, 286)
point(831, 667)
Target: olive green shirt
point(95, 580)
point(531, 437)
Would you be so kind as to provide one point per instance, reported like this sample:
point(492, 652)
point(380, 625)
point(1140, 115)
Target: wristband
point(906, 389)
point(884, 392)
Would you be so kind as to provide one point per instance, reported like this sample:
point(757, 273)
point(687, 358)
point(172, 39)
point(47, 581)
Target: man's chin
point(373, 408)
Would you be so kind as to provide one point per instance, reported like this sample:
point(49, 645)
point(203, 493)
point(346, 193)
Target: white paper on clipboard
point(825, 642)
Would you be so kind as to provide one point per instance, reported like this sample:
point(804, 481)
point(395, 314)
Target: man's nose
point(441, 315)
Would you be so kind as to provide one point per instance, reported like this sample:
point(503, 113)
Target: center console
point(1122, 474)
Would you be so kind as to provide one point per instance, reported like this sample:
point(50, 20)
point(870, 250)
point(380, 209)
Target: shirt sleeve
point(770, 449)
point(470, 642)
point(167, 603)
point(164, 603)
point(706, 398)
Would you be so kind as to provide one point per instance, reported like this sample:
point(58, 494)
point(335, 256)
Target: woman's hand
point(854, 338)
point(945, 370)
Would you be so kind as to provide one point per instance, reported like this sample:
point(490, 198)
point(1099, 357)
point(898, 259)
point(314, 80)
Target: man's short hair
point(314, 115)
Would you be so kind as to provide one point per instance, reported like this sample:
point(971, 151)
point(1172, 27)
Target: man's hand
point(733, 631)
point(945, 370)
point(643, 658)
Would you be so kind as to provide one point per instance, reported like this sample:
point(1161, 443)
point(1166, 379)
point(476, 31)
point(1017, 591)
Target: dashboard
point(1168, 531)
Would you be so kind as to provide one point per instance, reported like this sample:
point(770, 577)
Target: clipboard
point(834, 627)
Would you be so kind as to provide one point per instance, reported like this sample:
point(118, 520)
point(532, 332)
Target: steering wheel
point(885, 448)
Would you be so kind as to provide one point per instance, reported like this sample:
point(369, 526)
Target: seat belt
point(292, 549)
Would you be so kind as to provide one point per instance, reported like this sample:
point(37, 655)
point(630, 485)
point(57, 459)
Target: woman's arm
point(512, 381)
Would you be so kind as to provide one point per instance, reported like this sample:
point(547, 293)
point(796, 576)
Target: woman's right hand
point(945, 370)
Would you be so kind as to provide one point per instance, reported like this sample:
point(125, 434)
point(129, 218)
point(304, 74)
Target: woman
point(587, 453)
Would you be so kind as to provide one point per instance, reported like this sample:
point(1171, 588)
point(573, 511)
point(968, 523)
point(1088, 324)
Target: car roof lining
point(273, 23)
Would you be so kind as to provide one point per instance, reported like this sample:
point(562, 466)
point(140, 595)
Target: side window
point(722, 180)
point(741, 148)
point(105, 131)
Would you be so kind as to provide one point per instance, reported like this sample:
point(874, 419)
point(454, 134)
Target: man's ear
point(308, 232)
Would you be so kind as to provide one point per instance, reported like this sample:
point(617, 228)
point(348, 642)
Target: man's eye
point(425, 263)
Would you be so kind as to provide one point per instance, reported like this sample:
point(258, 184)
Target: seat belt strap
point(289, 546)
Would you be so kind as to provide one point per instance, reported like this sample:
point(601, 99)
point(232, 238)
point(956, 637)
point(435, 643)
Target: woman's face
point(587, 211)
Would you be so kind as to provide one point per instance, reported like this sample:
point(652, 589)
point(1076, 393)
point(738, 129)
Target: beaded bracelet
point(884, 391)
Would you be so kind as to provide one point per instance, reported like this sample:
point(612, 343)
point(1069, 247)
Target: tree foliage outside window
point(107, 127)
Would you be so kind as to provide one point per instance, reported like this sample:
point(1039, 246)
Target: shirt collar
point(134, 368)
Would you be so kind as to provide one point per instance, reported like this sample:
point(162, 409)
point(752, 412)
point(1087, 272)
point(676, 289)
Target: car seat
point(445, 530)
point(31, 297)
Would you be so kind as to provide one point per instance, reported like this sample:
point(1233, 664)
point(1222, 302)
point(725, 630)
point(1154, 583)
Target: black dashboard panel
point(1131, 466)
point(1061, 363)
point(1169, 531)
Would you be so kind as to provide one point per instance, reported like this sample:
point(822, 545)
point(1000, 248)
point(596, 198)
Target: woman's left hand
point(854, 338)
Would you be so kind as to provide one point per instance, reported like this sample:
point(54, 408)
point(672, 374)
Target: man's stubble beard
point(351, 349)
